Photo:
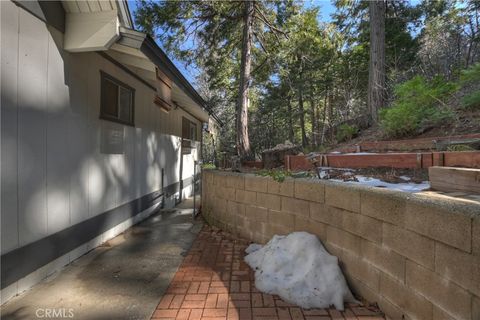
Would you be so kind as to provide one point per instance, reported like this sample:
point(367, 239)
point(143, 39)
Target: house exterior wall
point(55, 173)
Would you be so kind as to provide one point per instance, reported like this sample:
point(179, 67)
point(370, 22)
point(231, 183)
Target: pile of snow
point(299, 270)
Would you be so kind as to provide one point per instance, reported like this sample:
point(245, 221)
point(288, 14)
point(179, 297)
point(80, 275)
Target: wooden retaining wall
point(469, 159)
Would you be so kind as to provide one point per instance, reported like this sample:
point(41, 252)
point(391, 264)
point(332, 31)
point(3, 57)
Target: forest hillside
point(278, 70)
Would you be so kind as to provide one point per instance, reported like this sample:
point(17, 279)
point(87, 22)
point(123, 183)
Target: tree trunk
point(376, 74)
point(291, 135)
point(243, 141)
point(324, 118)
point(313, 117)
point(302, 111)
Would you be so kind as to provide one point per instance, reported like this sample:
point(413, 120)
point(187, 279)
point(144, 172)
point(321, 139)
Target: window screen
point(117, 100)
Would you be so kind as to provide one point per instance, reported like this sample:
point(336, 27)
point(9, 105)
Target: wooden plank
point(469, 159)
point(455, 179)
point(393, 160)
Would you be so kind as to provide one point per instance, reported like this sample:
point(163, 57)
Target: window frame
point(105, 116)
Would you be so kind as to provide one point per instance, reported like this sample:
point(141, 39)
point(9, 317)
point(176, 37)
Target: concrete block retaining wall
point(416, 255)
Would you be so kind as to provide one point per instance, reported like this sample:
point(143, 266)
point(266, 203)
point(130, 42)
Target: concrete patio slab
point(122, 279)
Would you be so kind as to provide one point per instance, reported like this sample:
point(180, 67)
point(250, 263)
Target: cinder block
point(282, 218)
point(441, 292)
point(306, 189)
point(284, 188)
point(460, 267)
point(221, 205)
point(476, 235)
point(208, 177)
point(384, 259)
point(392, 312)
point(440, 220)
point(439, 314)
point(359, 268)
point(296, 206)
point(256, 183)
point(254, 213)
point(342, 196)
point(219, 179)
point(363, 290)
point(276, 229)
point(258, 227)
point(476, 308)
point(365, 227)
point(326, 214)
point(317, 228)
point(241, 221)
point(270, 201)
point(247, 197)
point(236, 181)
point(335, 251)
point(344, 240)
point(226, 193)
point(409, 244)
point(413, 304)
point(384, 205)
point(236, 208)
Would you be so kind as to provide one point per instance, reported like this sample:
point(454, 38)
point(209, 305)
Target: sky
point(326, 8)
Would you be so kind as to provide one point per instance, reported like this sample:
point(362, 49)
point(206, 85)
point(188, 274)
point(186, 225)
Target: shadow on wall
point(53, 174)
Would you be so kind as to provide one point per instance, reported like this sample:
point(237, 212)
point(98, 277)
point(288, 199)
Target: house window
point(117, 100)
point(189, 129)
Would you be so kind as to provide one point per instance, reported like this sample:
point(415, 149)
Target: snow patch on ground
point(406, 187)
point(299, 270)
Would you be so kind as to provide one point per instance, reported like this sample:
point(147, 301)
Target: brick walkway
point(215, 283)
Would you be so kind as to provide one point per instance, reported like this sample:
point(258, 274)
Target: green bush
point(419, 104)
point(346, 132)
point(471, 76)
point(277, 175)
point(471, 101)
point(460, 147)
point(208, 166)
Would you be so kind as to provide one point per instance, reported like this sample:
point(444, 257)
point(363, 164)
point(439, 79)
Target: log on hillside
point(275, 157)
point(443, 145)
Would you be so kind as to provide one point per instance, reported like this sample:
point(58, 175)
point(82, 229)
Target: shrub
point(419, 104)
point(346, 132)
point(277, 175)
point(460, 147)
point(208, 166)
point(471, 101)
point(471, 76)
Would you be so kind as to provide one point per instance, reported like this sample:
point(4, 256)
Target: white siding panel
point(9, 67)
point(32, 124)
point(78, 150)
point(79, 138)
point(58, 164)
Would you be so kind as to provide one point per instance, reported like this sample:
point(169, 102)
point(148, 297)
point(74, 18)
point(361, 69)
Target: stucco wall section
point(416, 255)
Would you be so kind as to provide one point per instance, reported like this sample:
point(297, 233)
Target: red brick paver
point(214, 283)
